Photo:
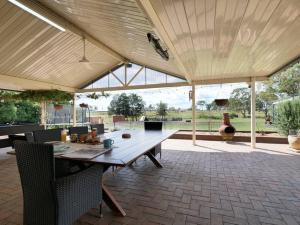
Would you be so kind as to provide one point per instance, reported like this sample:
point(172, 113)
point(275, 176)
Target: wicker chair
point(154, 126)
point(42, 136)
point(100, 128)
point(62, 167)
point(54, 201)
point(78, 130)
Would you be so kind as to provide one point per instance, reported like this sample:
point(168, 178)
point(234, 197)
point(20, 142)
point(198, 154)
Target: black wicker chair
point(78, 130)
point(54, 201)
point(100, 127)
point(42, 136)
point(62, 167)
point(153, 125)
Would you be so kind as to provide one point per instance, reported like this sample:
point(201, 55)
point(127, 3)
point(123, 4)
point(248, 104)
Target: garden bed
point(268, 137)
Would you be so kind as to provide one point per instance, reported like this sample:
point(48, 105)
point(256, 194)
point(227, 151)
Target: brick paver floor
point(211, 183)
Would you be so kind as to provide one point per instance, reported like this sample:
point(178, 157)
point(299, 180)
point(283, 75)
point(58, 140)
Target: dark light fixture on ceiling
point(157, 46)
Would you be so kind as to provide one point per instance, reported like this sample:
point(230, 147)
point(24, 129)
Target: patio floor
point(212, 183)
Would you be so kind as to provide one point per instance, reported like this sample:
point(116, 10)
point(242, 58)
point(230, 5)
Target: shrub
point(8, 112)
point(233, 115)
point(176, 119)
point(210, 115)
point(288, 116)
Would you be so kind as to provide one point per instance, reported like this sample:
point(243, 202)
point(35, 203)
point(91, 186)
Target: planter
point(294, 142)
point(58, 107)
point(221, 102)
point(226, 130)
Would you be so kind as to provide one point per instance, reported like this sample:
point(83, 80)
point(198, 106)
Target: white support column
point(194, 113)
point(43, 106)
point(253, 116)
point(74, 110)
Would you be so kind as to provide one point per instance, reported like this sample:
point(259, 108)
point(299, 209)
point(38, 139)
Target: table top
point(125, 151)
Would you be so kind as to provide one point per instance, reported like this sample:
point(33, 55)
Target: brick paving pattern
point(215, 183)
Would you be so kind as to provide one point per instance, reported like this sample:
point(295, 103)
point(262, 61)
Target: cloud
point(174, 97)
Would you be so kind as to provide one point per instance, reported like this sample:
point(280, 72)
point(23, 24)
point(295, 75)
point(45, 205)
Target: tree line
point(132, 106)
point(282, 85)
point(19, 112)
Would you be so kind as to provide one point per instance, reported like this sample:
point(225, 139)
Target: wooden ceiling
point(219, 39)
point(208, 40)
point(120, 24)
point(35, 51)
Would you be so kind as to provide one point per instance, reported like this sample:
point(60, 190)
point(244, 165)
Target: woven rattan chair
point(78, 130)
point(42, 136)
point(153, 125)
point(54, 201)
point(100, 128)
point(62, 167)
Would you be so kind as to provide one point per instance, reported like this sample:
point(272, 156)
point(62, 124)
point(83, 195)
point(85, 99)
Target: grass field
point(241, 124)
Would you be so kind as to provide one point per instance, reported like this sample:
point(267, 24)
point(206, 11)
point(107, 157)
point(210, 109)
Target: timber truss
point(133, 76)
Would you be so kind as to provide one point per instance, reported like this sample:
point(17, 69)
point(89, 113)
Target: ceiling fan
point(84, 60)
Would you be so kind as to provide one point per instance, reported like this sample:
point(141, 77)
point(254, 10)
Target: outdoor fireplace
point(226, 130)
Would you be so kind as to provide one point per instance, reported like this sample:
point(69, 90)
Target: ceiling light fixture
point(27, 9)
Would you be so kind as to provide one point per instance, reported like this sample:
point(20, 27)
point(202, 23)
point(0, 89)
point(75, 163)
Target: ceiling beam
point(18, 84)
point(134, 87)
point(149, 10)
point(229, 80)
point(48, 13)
point(179, 84)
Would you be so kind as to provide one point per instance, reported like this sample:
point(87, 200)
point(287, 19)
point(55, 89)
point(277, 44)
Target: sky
point(177, 97)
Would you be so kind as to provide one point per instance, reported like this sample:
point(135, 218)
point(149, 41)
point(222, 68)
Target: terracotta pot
point(294, 142)
point(58, 107)
point(221, 102)
point(226, 130)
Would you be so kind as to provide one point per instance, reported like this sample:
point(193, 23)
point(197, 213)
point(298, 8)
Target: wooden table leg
point(154, 160)
point(111, 202)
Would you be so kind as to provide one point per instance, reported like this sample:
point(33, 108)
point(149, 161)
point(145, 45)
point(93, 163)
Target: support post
point(194, 113)
point(74, 110)
point(253, 116)
point(43, 106)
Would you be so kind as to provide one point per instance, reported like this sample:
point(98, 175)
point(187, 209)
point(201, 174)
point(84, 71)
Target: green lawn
point(241, 124)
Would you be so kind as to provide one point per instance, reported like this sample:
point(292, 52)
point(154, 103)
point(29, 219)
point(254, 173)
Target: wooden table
point(125, 152)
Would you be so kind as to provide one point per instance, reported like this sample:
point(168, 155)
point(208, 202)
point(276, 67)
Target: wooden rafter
point(41, 9)
point(148, 8)
point(117, 78)
point(135, 75)
point(21, 84)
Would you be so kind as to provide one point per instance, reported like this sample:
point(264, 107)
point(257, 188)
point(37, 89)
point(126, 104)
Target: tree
point(27, 111)
point(136, 106)
point(119, 105)
point(127, 105)
point(7, 112)
point(151, 107)
point(201, 103)
point(211, 106)
point(240, 101)
point(161, 109)
point(265, 100)
point(288, 81)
